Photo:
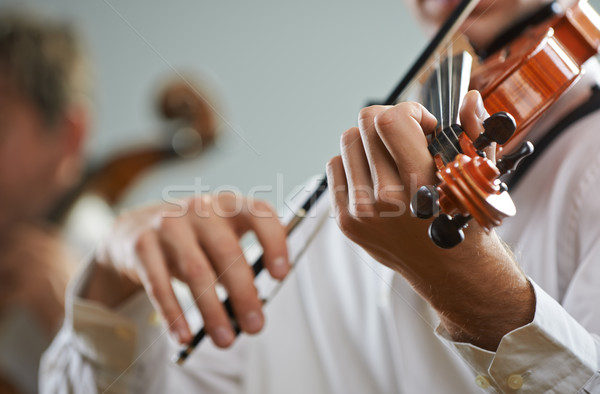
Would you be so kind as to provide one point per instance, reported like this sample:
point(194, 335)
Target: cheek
point(25, 171)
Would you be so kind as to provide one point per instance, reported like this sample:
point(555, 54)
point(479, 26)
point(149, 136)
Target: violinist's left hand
point(477, 288)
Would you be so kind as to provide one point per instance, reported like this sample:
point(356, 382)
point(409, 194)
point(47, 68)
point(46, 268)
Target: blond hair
point(44, 61)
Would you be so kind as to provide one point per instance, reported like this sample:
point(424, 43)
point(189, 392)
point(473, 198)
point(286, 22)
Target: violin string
point(435, 94)
point(445, 94)
point(440, 85)
point(453, 99)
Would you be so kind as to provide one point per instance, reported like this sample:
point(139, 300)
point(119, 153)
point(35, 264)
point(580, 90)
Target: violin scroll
point(469, 187)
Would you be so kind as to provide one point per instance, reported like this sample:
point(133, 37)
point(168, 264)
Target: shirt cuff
point(553, 353)
point(110, 337)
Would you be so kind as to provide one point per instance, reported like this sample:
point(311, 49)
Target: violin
point(518, 82)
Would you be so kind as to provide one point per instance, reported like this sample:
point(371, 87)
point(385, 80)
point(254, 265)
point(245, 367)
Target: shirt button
point(515, 382)
point(384, 299)
point(123, 333)
point(154, 319)
point(482, 382)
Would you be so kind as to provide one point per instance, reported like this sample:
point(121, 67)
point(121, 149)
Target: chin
point(478, 32)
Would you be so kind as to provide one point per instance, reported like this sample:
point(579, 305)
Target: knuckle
point(227, 198)
point(384, 193)
point(201, 206)
point(367, 114)
point(193, 270)
point(347, 224)
point(363, 210)
point(362, 196)
point(263, 207)
point(143, 241)
point(168, 224)
point(385, 120)
point(409, 107)
point(385, 202)
point(349, 137)
point(381, 194)
point(335, 161)
point(244, 297)
point(226, 246)
point(170, 315)
point(154, 290)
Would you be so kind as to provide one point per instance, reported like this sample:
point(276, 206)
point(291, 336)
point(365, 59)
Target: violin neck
point(442, 95)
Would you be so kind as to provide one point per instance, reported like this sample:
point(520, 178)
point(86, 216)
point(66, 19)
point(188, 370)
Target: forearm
point(480, 297)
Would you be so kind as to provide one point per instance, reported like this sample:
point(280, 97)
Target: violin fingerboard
point(442, 94)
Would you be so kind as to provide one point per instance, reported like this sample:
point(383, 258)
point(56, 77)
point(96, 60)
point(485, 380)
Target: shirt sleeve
point(128, 350)
point(553, 354)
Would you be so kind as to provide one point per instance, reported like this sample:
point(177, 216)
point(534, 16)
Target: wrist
point(480, 293)
point(107, 286)
point(484, 321)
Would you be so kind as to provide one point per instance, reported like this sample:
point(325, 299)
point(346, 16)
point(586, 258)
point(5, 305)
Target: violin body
point(530, 74)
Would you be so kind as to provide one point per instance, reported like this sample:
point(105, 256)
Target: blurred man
point(399, 315)
point(43, 124)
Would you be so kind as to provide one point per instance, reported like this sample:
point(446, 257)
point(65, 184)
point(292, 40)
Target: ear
point(76, 125)
point(74, 129)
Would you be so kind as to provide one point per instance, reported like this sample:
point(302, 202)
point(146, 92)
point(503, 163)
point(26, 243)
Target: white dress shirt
point(342, 323)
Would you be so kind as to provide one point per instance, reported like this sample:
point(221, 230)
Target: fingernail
point(280, 267)
point(181, 334)
point(222, 336)
point(253, 321)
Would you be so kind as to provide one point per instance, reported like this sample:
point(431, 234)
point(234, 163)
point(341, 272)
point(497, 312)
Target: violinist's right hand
point(199, 246)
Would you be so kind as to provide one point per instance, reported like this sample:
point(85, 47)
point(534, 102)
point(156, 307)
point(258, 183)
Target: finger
point(358, 174)
point(336, 183)
point(381, 164)
point(261, 218)
point(258, 216)
point(402, 129)
point(338, 188)
point(156, 280)
point(192, 267)
point(472, 115)
point(222, 248)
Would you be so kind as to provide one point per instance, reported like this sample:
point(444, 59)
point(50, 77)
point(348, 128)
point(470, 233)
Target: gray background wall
point(291, 76)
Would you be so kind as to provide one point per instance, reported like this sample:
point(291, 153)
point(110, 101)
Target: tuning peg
point(424, 203)
point(509, 162)
point(498, 128)
point(447, 232)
